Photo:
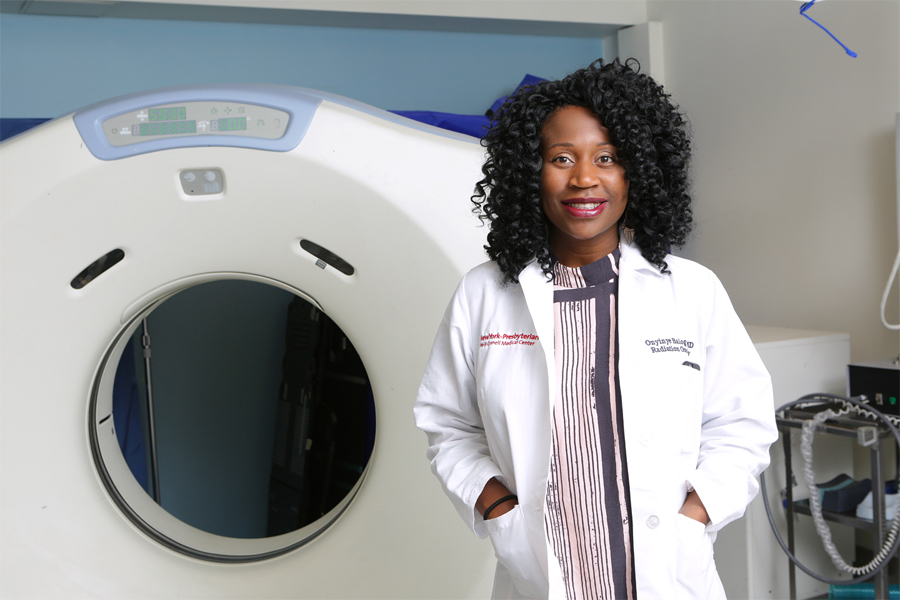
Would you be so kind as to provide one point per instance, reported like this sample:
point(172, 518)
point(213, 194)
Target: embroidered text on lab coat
point(669, 345)
point(508, 339)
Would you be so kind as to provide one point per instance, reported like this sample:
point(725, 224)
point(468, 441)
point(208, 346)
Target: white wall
point(794, 163)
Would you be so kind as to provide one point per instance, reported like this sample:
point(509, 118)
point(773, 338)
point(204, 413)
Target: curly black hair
point(646, 128)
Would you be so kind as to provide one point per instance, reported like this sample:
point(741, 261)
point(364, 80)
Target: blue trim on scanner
point(300, 105)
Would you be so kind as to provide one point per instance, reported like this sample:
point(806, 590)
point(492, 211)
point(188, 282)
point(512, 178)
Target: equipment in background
point(205, 209)
point(866, 508)
point(878, 382)
point(817, 407)
point(325, 427)
point(860, 591)
point(843, 493)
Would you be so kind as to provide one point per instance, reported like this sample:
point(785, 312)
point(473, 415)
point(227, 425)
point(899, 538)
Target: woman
point(591, 402)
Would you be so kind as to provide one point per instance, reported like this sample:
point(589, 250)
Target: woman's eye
point(562, 159)
point(607, 159)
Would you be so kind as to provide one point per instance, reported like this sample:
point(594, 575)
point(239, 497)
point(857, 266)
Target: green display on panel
point(172, 128)
point(176, 113)
point(233, 124)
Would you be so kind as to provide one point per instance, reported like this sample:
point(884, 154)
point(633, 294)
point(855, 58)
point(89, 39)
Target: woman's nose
point(584, 176)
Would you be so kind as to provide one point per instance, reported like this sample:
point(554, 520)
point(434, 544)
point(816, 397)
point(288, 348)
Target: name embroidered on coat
point(508, 339)
point(669, 345)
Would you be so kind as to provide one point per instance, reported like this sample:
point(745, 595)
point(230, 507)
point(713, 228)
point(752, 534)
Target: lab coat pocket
point(696, 574)
point(513, 551)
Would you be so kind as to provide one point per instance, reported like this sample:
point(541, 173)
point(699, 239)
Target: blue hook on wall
point(806, 6)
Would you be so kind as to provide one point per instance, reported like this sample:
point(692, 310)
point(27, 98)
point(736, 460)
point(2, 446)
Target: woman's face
point(583, 186)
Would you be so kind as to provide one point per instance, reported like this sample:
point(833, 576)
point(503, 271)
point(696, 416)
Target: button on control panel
point(196, 118)
point(202, 182)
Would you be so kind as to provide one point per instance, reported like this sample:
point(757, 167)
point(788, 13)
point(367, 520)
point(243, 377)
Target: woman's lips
point(585, 207)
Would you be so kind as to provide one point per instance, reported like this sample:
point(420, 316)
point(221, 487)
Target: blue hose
point(861, 590)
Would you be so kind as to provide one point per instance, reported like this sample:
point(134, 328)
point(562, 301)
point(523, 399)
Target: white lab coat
point(485, 403)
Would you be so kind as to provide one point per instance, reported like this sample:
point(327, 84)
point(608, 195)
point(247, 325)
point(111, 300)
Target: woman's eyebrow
point(570, 144)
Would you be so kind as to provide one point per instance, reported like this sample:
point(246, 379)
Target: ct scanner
point(109, 213)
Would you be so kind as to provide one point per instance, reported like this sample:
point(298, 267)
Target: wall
point(52, 65)
point(794, 164)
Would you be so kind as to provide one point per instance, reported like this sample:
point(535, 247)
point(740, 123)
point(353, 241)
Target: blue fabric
point(528, 80)
point(11, 127)
point(474, 125)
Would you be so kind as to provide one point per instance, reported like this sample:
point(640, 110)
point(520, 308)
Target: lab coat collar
point(632, 259)
point(630, 255)
point(538, 289)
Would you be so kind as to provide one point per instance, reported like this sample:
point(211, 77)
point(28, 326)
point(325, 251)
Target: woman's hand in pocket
point(492, 492)
point(693, 508)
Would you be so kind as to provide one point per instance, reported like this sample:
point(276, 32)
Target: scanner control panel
point(196, 118)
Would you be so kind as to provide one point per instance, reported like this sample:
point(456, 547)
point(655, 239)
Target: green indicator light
point(173, 128)
point(177, 113)
point(233, 124)
point(892, 400)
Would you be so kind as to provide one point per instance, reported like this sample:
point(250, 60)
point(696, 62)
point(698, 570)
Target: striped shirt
point(588, 507)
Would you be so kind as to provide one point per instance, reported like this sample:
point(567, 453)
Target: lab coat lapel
point(645, 311)
point(538, 292)
point(634, 303)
